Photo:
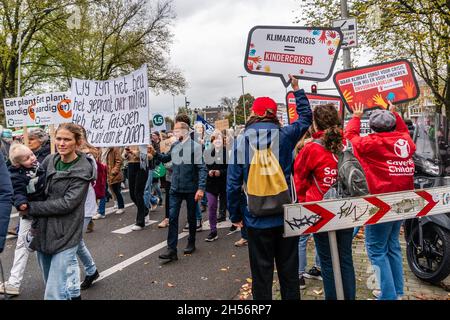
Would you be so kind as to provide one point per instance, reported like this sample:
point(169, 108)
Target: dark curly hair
point(327, 119)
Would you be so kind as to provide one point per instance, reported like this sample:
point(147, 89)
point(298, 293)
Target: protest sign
point(337, 214)
point(349, 30)
point(40, 109)
point(306, 53)
point(314, 100)
point(374, 85)
point(222, 124)
point(209, 129)
point(114, 112)
point(165, 145)
point(158, 122)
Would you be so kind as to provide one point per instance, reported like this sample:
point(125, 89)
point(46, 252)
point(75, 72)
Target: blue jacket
point(6, 193)
point(188, 167)
point(261, 135)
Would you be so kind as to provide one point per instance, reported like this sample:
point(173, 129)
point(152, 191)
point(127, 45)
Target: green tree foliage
point(418, 30)
point(240, 110)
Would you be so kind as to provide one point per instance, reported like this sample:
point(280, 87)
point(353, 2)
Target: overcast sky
point(209, 46)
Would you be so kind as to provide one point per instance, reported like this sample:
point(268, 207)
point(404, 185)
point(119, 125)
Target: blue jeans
point(157, 188)
point(385, 254)
point(149, 199)
point(344, 242)
point(87, 261)
point(57, 269)
point(198, 212)
point(175, 199)
point(244, 233)
point(102, 203)
point(302, 258)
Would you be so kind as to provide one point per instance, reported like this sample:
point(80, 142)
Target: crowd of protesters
point(59, 195)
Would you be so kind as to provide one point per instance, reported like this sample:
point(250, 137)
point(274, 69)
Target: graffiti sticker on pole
point(306, 53)
point(374, 85)
point(338, 214)
point(314, 100)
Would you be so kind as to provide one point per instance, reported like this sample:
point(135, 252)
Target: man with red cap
point(264, 134)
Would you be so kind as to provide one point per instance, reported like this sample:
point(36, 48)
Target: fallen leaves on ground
point(223, 269)
point(120, 255)
point(204, 278)
point(170, 285)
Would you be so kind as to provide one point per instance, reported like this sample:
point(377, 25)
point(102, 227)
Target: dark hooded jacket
point(5, 202)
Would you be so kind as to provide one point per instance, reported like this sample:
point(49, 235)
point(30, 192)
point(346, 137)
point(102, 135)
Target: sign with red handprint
point(375, 85)
point(315, 100)
point(306, 53)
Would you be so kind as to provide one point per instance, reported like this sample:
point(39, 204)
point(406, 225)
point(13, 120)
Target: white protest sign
point(114, 112)
point(41, 109)
point(159, 123)
point(349, 30)
point(337, 214)
point(307, 53)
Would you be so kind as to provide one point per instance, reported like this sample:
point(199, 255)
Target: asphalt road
point(130, 269)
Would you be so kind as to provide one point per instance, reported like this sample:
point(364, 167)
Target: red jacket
point(386, 157)
point(314, 161)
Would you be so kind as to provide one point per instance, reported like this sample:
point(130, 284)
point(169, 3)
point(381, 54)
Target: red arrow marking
point(325, 217)
point(381, 205)
point(431, 203)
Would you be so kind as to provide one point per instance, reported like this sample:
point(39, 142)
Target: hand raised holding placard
point(294, 82)
point(358, 110)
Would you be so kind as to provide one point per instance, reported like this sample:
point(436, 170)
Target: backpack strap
point(317, 184)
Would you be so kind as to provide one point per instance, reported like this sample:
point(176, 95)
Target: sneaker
point(98, 216)
point(147, 221)
point(199, 225)
point(376, 293)
point(120, 211)
point(136, 228)
point(116, 206)
point(12, 231)
point(241, 242)
point(186, 227)
point(153, 207)
point(301, 280)
point(313, 273)
point(164, 223)
point(232, 230)
point(89, 280)
point(221, 219)
point(9, 289)
point(211, 237)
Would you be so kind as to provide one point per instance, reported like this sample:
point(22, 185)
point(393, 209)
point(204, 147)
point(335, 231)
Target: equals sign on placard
point(289, 48)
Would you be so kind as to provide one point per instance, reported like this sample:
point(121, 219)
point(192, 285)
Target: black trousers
point(137, 178)
point(167, 189)
point(265, 246)
point(223, 204)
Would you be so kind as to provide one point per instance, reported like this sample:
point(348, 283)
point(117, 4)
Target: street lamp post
point(243, 97)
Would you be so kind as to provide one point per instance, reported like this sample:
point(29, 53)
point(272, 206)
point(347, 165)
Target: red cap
point(260, 106)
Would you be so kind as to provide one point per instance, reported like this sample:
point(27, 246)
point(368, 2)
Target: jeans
point(355, 231)
point(265, 246)
point(344, 243)
point(156, 186)
point(57, 269)
point(116, 189)
point(176, 199)
point(102, 203)
point(137, 179)
point(302, 259)
point(149, 198)
point(87, 261)
point(385, 254)
point(212, 210)
point(198, 212)
point(21, 254)
point(244, 232)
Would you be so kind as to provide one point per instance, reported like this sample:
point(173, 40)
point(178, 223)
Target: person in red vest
point(315, 171)
point(386, 158)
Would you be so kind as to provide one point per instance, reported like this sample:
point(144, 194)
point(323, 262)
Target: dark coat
point(42, 152)
point(6, 193)
point(25, 188)
point(216, 185)
point(60, 217)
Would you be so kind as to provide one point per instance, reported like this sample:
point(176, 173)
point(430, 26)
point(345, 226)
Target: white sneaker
point(153, 207)
point(9, 289)
point(120, 211)
point(116, 206)
point(136, 228)
point(98, 216)
point(147, 221)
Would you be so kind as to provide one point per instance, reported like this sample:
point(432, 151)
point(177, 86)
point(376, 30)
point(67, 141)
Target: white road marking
point(127, 229)
point(159, 246)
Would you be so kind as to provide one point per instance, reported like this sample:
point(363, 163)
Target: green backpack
point(159, 171)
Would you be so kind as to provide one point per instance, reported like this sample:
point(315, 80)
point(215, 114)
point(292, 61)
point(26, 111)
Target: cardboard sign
point(349, 31)
point(222, 124)
point(114, 112)
point(374, 85)
point(41, 109)
point(315, 100)
point(165, 145)
point(337, 214)
point(306, 53)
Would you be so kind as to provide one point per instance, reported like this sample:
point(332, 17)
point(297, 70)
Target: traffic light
point(314, 89)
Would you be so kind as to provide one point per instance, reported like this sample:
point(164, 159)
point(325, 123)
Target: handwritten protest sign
point(114, 112)
point(314, 99)
point(221, 124)
point(374, 85)
point(41, 109)
point(307, 53)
